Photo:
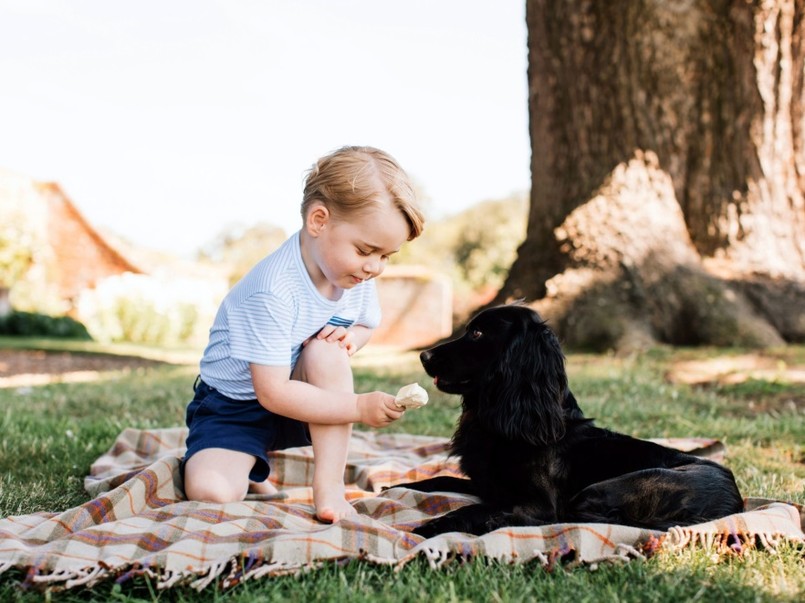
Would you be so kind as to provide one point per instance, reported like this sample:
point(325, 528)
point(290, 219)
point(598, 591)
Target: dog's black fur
point(534, 459)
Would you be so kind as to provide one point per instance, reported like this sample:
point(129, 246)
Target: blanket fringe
point(627, 552)
point(64, 579)
point(436, 557)
point(212, 573)
point(267, 569)
point(541, 557)
point(237, 569)
point(244, 567)
point(378, 560)
point(679, 538)
point(169, 579)
point(230, 573)
point(91, 577)
point(240, 568)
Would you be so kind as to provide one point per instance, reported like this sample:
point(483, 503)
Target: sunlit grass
point(49, 436)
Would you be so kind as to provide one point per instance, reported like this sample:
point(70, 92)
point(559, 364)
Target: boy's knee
point(322, 361)
point(204, 485)
point(214, 491)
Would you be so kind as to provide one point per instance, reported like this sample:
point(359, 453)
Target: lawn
point(51, 434)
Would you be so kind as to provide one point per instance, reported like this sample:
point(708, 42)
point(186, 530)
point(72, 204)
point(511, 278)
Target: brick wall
point(80, 257)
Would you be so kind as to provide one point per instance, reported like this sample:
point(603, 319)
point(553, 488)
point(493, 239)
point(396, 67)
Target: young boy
point(276, 368)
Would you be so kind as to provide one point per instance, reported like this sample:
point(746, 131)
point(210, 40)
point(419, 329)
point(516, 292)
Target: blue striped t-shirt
point(269, 313)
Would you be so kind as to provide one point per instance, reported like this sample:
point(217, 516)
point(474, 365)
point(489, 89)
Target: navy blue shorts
point(216, 421)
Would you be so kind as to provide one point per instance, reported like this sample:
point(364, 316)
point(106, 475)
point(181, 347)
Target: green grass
point(49, 436)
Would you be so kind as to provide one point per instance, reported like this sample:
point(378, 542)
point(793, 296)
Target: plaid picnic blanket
point(138, 521)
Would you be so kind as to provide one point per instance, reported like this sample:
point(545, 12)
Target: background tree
point(240, 247)
point(668, 166)
point(475, 247)
point(17, 247)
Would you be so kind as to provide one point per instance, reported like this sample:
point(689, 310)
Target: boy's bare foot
point(265, 487)
point(331, 504)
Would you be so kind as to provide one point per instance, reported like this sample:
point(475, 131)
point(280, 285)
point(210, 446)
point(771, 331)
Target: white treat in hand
point(411, 396)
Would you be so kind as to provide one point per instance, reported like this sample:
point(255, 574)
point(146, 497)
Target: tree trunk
point(5, 301)
point(668, 166)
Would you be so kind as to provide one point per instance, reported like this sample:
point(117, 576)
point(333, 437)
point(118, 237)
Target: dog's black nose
point(425, 356)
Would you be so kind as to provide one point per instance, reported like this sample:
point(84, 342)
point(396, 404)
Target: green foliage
point(476, 247)
point(141, 321)
point(17, 246)
point(486, 241)
point(240, 248)
point(30, 324)
point(37, 292)
point(14, 262)
point(149, 310)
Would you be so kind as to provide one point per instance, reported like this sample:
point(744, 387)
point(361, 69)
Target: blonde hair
point(349, 179)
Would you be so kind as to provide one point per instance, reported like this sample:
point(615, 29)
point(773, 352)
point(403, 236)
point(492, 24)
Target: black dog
point(533, 458)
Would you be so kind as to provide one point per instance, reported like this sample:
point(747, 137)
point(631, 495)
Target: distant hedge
point(29, 324)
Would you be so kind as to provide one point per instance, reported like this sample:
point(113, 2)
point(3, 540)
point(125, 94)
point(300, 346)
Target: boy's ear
point(318, 216)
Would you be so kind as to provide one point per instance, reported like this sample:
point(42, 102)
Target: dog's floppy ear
point(522, 396)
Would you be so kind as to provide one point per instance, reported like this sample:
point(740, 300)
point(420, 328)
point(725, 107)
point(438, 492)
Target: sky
point(168, 121)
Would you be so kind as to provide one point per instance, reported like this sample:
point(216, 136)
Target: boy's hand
point(339, 335)
point(378, 409)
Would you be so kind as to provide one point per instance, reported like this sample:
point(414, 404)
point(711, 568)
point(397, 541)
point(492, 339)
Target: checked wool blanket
point(138, 521)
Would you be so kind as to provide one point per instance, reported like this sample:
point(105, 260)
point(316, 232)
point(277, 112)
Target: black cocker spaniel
point(533, 458)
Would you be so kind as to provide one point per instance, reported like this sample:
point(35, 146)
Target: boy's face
point(347, 251)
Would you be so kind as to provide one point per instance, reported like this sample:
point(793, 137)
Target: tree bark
point(5, 301)
point(668, 167)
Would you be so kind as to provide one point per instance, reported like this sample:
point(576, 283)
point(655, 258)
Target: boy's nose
point(373, 267)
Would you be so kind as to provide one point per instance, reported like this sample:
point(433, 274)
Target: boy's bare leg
point(326, 365)
point(330, 447)
point(264, 488)
point(217, 475)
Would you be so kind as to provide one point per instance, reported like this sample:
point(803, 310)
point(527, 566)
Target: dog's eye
point(475, 334)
